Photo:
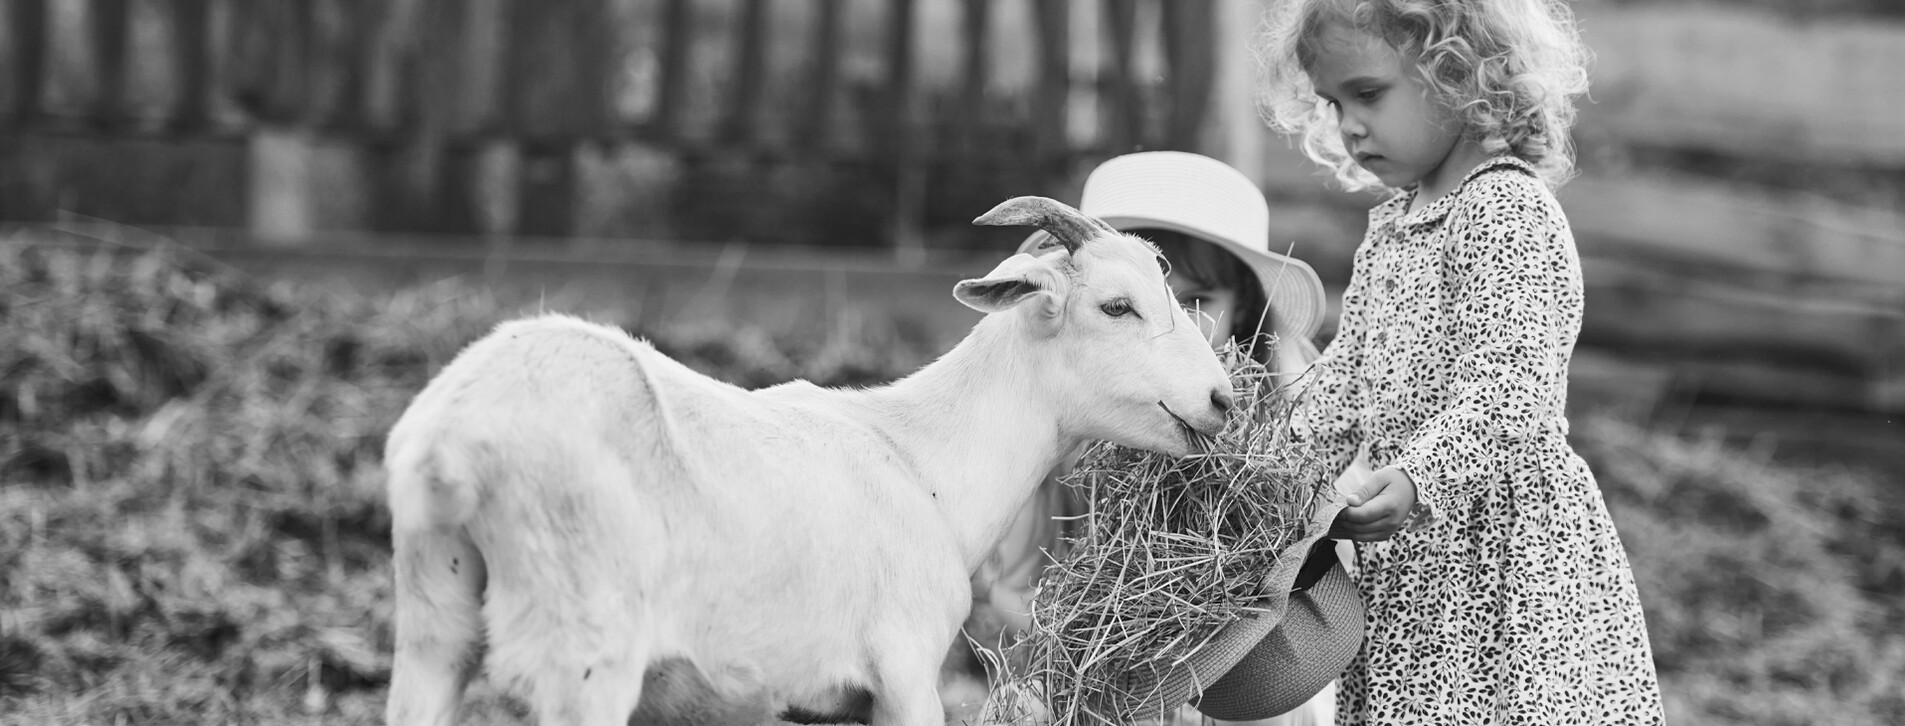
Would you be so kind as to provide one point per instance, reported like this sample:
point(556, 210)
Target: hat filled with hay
point(1204, 579)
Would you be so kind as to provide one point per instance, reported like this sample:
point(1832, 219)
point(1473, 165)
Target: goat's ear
point(1018, 279)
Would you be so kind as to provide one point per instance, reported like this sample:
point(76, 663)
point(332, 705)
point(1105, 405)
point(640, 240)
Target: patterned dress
point(1507, 597)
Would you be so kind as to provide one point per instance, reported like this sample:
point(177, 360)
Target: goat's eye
point(1116, 308)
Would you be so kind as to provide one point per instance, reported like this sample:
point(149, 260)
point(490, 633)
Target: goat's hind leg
point(439, 624)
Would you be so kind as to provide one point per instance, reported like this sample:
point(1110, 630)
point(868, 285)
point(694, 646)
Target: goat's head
point(1123, 361)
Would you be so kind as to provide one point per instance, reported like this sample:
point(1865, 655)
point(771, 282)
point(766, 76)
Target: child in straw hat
point(1496, 586)
point(1213, 226)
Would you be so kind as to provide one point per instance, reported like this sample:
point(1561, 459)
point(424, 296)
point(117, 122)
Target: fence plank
point(193, 57)
point(750, 59)
point(824, 79)
point(1123, 114)
point(30, 31)
point(677, 38)
point(1053, 90)
point(972, 104)
point(1189, 56)
point(108, 27)
point(1747, 82)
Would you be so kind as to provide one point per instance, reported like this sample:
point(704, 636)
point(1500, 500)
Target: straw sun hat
point(1208, 199)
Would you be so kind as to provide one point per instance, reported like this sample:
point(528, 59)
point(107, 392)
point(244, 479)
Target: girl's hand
point(1376, 509)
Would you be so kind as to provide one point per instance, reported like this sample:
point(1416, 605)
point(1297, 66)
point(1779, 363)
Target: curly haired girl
point(1497, 588)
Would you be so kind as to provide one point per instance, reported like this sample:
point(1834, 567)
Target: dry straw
point(1171, 551)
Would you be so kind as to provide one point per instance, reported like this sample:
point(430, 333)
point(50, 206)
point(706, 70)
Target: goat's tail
point(431, 486)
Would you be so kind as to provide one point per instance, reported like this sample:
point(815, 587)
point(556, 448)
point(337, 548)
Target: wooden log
point(29, 25)
point(1633, 305)
point(1747, 82)
point(1798, 238)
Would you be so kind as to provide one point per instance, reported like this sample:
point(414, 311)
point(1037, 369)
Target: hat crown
point(1180, 191)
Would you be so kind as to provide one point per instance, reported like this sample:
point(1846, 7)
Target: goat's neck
point(978, 431)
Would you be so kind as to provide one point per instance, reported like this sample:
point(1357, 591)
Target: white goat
point(631, 537)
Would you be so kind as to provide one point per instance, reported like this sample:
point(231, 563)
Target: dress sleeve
point(1329, 400)
point(1509, 271)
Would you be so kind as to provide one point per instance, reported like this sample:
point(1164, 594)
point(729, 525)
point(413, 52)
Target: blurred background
point(237, 235)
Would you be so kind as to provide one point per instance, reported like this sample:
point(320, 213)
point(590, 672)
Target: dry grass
point(1173, 550)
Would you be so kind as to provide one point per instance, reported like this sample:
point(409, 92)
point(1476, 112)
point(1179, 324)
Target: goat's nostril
point(1222, 399)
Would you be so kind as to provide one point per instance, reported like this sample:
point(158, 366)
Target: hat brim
point(1321, 631)
point(1150, 693)
point(1290, 286)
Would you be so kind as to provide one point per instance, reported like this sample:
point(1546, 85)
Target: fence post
point(817, 125)
point(108, 21)
point(1124, 114)
point(750, 55)
point(909, 158)
point(193, 57)
point(29, 58)
point(1190, 61)
point(1052, 99)
point(1237, 133)
point(559, 57)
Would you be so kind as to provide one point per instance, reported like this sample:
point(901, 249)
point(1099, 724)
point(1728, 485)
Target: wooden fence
point(1739, 211)
point(417, 105)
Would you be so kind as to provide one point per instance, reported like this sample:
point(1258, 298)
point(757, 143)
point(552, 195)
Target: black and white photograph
point(952, 362)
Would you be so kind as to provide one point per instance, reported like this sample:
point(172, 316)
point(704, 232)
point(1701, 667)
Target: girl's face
point(1214, 302)
point(1388, 122)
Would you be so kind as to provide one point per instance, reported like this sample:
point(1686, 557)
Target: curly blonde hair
point(1510, 69)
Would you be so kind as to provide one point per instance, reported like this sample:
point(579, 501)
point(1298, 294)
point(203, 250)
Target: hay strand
point(1172, 550)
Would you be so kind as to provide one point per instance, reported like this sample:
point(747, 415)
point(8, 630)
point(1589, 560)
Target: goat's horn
point(1067, 225)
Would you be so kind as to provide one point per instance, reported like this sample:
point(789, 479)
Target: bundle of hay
point(1172, 551)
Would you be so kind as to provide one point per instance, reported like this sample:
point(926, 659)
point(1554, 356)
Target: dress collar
point(1395, 206)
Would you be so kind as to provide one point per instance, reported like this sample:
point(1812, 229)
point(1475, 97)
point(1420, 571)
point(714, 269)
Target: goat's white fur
point(594, 511)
